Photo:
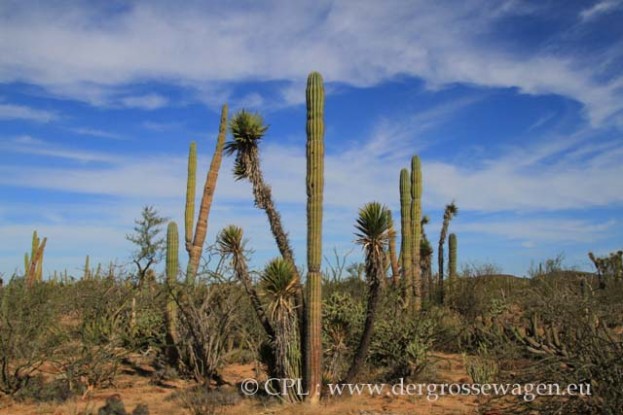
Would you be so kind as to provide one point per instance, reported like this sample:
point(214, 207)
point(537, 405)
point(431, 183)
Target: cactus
point(416, 231)
point(172, 268)
point(407, 241)
point(34, 262)
point(87, 269)
point(393, 261)
point(191, 184)
point(195, 247)
point(315, 186)
point(452, 261)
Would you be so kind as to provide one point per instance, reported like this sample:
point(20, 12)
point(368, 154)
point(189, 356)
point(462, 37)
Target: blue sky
point(515, 108)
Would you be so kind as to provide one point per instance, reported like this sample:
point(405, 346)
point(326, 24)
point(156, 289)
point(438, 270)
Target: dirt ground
point(135, 389)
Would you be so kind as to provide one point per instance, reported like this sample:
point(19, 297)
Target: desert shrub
point(482, 368)
point(402, 346)
point(114, 406)
point(27, 332)
point(207, 316)
point(571, 335)
point(38, 390)
point(202, 401)
point(342, 321)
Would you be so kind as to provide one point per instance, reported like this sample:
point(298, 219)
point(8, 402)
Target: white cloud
point(94, 132)
point(147, 102)
point(33, 146)
point(20, 112)
point(599, 9)
point(532, 230)
point(210, 47)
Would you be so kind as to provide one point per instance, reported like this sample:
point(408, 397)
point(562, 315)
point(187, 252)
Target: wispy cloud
point(147, 102)
point(360, 44)
point(97, 133)
point(33, 146)
point(21, 112)
point(600, 8)
point(535, 230)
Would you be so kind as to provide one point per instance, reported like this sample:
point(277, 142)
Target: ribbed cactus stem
point(39, 271)
point(315, 186)
point(452, 246)
point(406, 246)
point(393, 260)
point(191, 184)
point(416, 230)
point(87, 268)
point(171, 270)
point(37, 256)
point(35, 245)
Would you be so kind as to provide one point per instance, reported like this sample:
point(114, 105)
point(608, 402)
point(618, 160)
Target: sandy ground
point(135, 389)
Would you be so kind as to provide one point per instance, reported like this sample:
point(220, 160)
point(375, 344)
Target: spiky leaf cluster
point(247, 129)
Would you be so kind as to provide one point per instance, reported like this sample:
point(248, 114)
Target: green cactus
point(34, 262)
point(189, 212)
point(195, 247)
point(172, 268)
point(416, 231)
point(452, 242)
point(87, 269)
point(393, 261)
point(315, 186)
point(406, 247)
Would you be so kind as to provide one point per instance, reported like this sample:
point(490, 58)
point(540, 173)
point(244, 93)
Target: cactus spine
point(315, 186)
point(172, 268)
point(416, 229)
point(195, 247)
point(452, 261)
point(406, 247)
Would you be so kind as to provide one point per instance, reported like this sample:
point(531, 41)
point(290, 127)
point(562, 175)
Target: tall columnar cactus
point(87, 269)
point(393, 261)
point(172, 269)
point(452, 246)
point(34, 262)
point(315, 186)
point(195, 247)
point(416, 229)
point(191, 184)
point(406, 247)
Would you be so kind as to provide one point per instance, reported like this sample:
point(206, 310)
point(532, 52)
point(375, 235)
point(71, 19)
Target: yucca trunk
point(448, 214)
point(196, 247)
point(372, 227)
